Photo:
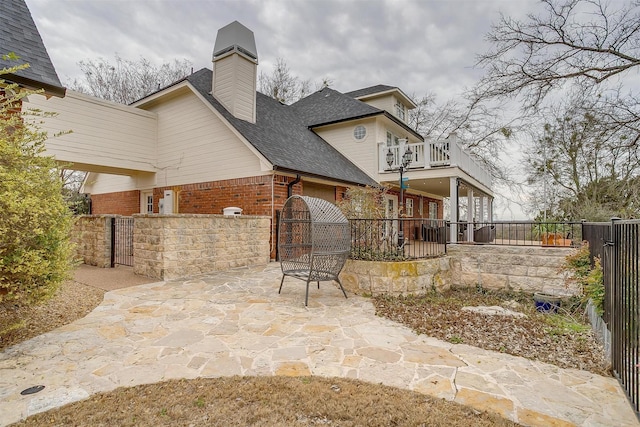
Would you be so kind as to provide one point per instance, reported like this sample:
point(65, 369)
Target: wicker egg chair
point(313, 241)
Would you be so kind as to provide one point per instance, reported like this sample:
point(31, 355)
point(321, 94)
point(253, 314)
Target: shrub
point(35, 251)
point(594, 287)
point(590, 279)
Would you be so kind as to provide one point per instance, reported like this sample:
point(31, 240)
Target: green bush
point(35, 224)
point(589, 278)
point(594, 287)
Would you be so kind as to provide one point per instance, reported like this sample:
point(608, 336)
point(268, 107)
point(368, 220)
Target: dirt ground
point(564, 339)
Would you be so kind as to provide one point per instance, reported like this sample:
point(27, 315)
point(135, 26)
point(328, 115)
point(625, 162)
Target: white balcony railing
point(435, 154)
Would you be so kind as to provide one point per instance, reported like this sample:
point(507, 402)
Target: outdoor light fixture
point(407, 157)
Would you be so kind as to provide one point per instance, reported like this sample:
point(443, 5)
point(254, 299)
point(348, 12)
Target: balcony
point(435, 154)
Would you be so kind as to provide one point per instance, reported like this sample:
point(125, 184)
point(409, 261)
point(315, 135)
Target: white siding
point(362, 153)
point(105, 136)
point(194, 145)
point(235, 86)
point(99, 183)
point(386, 102)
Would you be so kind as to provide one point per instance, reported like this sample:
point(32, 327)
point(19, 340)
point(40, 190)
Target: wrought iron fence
point(622, 268)
point(397, 239)
point(596, 234)
point(122, 241)
point(519, 233)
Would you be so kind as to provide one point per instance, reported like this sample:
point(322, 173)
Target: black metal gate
point(621, 269)
point(122, 241)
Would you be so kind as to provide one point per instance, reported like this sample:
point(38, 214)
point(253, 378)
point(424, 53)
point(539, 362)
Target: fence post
point(113, 242)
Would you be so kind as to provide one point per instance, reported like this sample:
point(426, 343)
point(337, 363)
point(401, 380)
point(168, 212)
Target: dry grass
point(565, 339)
point(264, 401)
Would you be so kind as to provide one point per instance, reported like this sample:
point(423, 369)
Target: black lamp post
point(406, 160)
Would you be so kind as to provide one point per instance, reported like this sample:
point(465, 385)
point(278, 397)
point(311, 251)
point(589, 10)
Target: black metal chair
point(313, 241)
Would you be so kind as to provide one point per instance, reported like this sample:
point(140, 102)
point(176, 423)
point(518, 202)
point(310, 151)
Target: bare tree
point(573, 46)
point(283, 86)
point(483, 131)
point(126, 81)
point(575, 41)
point(580, 166)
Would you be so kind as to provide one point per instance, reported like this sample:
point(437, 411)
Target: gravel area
point(71, 301)
point(564, 339)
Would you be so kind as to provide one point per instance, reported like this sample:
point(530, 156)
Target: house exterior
point(211, 141)
point(19, 35)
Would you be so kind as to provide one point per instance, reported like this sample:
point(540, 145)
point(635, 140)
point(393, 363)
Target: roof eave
point(49, 89)
point(404, 125)
point(406, 98)
point(347, 119)
point(364, 116)
point(312, 175)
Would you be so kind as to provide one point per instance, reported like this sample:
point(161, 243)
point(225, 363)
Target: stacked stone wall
point(173, 246)
point(521, 268)
point(92, 237)
point(396, 278)
point(528, 269)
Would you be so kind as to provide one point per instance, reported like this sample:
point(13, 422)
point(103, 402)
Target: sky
point(420, 46)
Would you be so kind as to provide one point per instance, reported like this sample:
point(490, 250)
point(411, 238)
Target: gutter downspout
point(291, 184)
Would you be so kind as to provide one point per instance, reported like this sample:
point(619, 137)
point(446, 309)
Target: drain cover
point(32, 390)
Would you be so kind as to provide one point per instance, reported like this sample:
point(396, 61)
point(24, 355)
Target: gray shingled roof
point(330, 106)
point(369, 90)
point(284, 139)
point(19, 34)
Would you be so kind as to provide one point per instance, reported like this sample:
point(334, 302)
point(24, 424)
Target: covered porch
point(441, 169)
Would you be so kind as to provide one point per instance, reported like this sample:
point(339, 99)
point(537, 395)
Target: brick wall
point(173, 246)
point(125, 203)
point(252, 195)
point(92, 237)
point(416, 204)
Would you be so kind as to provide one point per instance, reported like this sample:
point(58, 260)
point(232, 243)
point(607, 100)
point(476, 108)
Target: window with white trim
point(433, 210)
point(401, 110)
point(150, 204)
point(392, 139)
point(409, 203)
point(359, 132)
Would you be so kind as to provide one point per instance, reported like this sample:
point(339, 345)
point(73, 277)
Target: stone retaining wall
point(526, 268)
point(530, 269)
point(396, 278)
point(173, 246)
point(92, 237)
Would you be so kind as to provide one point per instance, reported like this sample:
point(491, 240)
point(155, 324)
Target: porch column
point(490, 209)
point(470, 211)
point(453, 209)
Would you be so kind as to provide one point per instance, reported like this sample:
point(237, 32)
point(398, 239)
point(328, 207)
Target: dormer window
point(401, 110)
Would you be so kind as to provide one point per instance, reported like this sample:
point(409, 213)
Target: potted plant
point(547, 303)
point(551, 234)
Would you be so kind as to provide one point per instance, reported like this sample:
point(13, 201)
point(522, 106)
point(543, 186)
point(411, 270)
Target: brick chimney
point(235, 68)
